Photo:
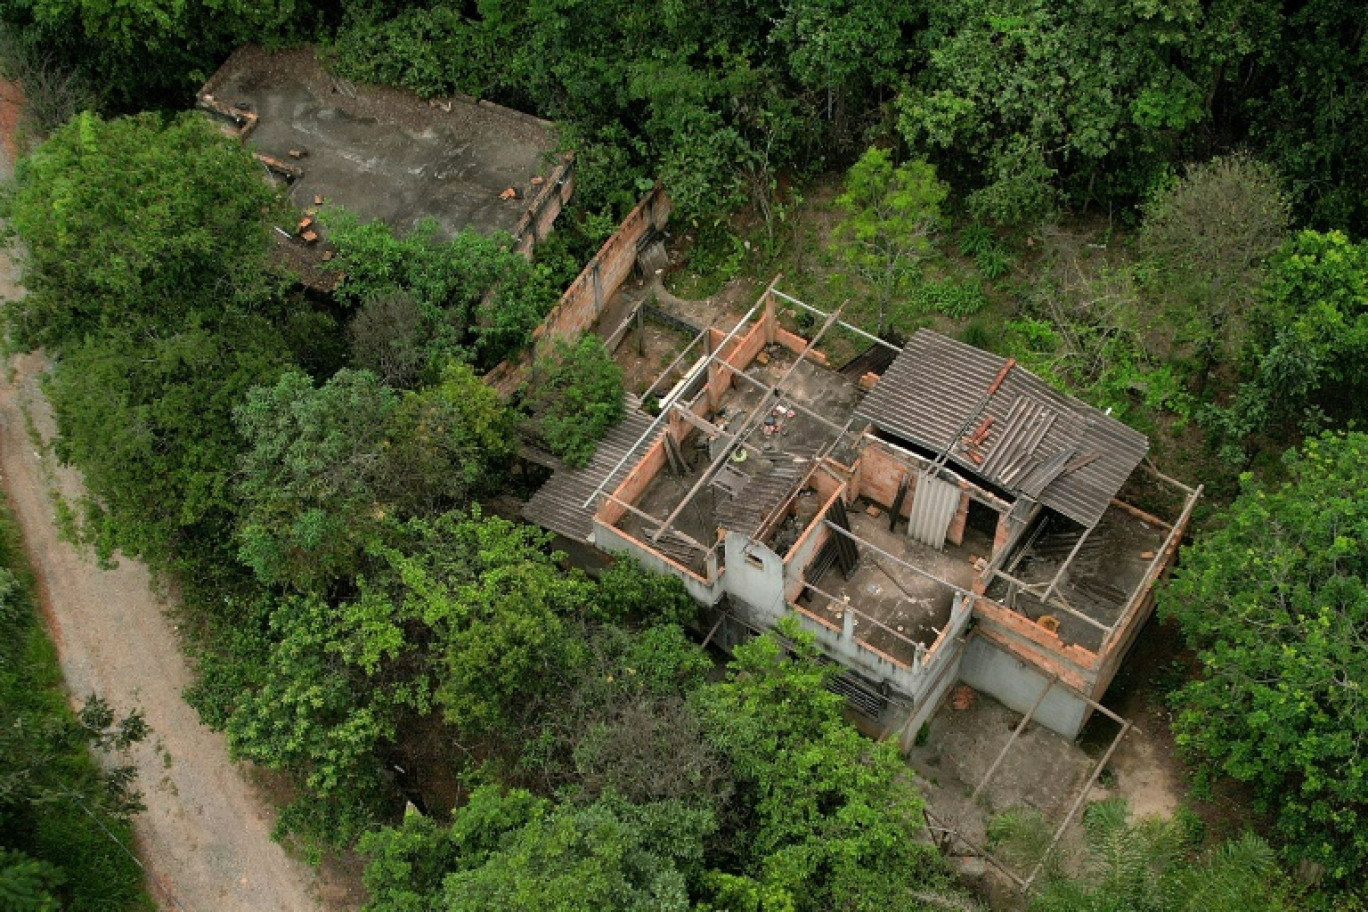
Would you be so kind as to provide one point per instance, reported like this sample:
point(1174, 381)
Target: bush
point(576, 393)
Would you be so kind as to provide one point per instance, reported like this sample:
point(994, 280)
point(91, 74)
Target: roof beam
point(670, 400)
point(841, 323)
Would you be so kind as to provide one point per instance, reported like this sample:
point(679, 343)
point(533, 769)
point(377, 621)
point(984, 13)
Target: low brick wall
point(582, 303)
point(545, 206)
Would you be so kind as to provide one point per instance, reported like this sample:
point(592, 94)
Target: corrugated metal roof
point(1031, 439)
point(559, 505)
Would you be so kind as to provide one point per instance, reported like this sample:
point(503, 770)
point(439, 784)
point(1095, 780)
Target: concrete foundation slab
point(384, 153)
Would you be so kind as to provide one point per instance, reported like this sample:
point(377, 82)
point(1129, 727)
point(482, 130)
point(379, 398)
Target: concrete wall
point(1075, 666)
point(581, 304)
point(805, 549)
point(941, 669)
point(996, 672)
point(637, 480)
point(755, 576)
point(738, 354)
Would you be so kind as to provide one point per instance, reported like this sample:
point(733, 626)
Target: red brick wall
point(579, 307)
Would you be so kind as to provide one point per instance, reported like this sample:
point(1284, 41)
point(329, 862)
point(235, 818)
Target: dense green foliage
point(575, 393)
point(148, 280)
point(325, 466)
point(472, 298)
point(1206, 237)
point(1026, 105)
point(136, 224)
point(801, 813)
point(1275, 601)
point(63, 819)
point(890, 215)
point(311, 471)
point(1306, 362)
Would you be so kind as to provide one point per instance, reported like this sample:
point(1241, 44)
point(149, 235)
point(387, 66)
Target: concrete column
point(955, 534)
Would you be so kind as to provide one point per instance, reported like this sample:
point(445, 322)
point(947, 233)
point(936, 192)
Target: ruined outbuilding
point(386, 154)
point(954, 519)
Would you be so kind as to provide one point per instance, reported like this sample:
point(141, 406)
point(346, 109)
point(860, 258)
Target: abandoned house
point(952, 519)
point(933, 513)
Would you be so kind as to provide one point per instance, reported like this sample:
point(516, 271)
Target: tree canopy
point(135, 223)
point(1275, 602)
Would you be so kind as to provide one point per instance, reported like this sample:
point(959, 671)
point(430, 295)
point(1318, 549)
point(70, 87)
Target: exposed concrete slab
point(384, 153)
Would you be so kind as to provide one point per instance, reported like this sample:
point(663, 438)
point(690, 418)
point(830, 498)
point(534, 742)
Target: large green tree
point(1306, 364)
point(135, 223)
point(476, 299)
point(148, 419)
point(891, 215)
point(1275, 601)
point(325, 466)
point(146, 53)
point(1207, 237)
point(1090, 96)
point(575, 395)
point(832, 820)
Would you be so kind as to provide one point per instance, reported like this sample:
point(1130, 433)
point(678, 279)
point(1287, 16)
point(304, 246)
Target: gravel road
point(205, 837)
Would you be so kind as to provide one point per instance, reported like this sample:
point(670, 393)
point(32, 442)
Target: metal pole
point(1078, 802)
point(1016, 732)
point(664, 408)
point(841, 323)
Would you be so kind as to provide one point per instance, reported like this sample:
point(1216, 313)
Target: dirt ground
point(205, 836)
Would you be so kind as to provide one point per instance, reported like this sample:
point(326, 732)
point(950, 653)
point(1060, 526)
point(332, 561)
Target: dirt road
point(205, 837)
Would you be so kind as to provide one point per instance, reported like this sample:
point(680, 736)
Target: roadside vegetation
point(1157, 207)
point(65, 798)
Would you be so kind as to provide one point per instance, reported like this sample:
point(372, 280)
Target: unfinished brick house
point(955, 519)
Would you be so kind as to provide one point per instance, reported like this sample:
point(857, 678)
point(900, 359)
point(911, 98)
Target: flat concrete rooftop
point(383, 153)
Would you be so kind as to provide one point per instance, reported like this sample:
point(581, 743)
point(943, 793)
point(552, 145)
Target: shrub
point(576, 393)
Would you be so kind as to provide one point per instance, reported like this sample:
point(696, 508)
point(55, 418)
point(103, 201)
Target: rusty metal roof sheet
point(559, 505)
point(1024, 436)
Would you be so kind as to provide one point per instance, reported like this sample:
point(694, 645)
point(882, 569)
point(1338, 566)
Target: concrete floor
point(1098, 583)
point(1041, 771)
point(912, 607)
point(383, 153)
